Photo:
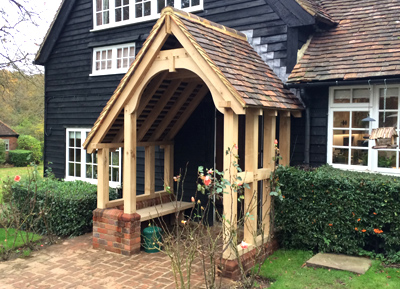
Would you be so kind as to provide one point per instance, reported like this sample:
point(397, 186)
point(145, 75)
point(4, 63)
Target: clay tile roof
point(250, 80)
point(5, 130)
point(316, 10)
point(365, 43)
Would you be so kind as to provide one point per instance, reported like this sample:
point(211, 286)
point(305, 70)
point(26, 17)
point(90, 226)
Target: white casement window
point(7, 144)
point(113, 59)
point(348, 144)
point(83, 166)
point(112, 13)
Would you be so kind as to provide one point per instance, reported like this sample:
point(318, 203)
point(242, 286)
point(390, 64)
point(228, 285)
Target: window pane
point(359, 138)
point(117, 3)
point(71, 154)
point(341, 138)
point(126, 2)
point(99, 18)
point(160, 5)
point(95, 172)
point(98, 5)
point(89, 171)
point(106, 17)
point(132, 51)
point(195, 2)
point(392, 98)
point(386, 159)
point(125, 52)
point(71, 142)
point(125, 62)
point(389, 120)
point(361, 95)
point(118, 14)
point(340, 156)
point(78, 139)
point(341, 119)
point(147, 8)
point(71, 171)
point(119, 52)
point(185, 3)
point(78, 170)
point(109, 64)
point(119, 63)
point(115, 175)
point(126, 12)
point(359, 157)
point(139, 10)
point(340, 95)
point(105, 4)
point(78, 155)
point(357, 117)
point(115, 158)
point(89, 158)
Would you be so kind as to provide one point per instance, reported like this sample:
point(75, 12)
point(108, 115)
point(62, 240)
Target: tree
point(14, 14)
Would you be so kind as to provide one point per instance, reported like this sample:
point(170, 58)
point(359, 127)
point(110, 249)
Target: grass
point(286, 271)
point(6, 172)
point(19, 242)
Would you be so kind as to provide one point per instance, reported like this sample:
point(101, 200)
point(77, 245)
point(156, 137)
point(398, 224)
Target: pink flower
point(276, 142)
point(210, 172)
point(244, 245)
point(235, 146)
point(207, 180)
point(192, 199)
point(17, 178)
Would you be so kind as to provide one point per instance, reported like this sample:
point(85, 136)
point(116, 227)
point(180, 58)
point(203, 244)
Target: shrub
point(20, 158)
point(27, 142)
point(2, 152)
point(69, 205)
point(331, 210)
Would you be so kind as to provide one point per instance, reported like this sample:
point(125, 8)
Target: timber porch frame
point(184, 59)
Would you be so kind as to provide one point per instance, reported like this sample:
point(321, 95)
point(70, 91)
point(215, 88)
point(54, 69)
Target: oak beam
point(284, 138)
point(130, 159)
point(231, 128)
point(162, 102)
point(173, 111)
point(251, 165)
point(149, 170)
point(268, 163)
point(169, 166)
point(103, 178)
point(106, 145)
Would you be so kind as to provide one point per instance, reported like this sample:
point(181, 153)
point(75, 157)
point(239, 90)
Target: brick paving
point(75, 264)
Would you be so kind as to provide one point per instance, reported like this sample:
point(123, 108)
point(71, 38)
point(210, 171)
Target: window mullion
point(178, 4)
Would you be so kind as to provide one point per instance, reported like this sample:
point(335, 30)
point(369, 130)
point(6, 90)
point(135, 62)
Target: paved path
point(74, 264)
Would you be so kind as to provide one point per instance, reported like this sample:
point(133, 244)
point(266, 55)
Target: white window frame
point(373, 108)
point(7, 144)
point(114, 59)
point(83, 177)
point(132, 17)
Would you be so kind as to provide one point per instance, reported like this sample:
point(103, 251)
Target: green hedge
point(68, 205)
point(20, 158)
point(332, 210)
point(2, 152)
point(27, 142)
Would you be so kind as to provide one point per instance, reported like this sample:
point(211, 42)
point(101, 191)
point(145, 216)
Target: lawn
point(11, 172)
point(285, 270)
point(12, 236)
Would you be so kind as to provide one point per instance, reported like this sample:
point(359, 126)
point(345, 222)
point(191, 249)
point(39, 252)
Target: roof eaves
point(53, 32)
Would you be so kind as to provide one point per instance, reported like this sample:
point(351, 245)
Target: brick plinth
point(230, 268)
point(116, 232)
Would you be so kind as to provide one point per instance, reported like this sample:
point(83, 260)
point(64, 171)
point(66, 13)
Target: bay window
point(111, 13)
point(83, 166)
point(348, 144)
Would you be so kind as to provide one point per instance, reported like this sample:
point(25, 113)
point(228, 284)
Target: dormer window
point(112, 13)
point(113, 59)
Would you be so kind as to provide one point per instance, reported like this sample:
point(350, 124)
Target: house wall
point(75, 99)
point(13, 141)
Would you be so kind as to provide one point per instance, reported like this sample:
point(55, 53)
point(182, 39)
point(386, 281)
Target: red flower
point(276, 142)
point(17, 178)
point(207, 180)
point(358, 220)
point(374, 213)
point(330, 225)
point(377, 231)
point(363, 230)
point(356, 228)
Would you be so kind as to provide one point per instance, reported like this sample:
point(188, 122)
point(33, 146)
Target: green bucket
point(152, 237)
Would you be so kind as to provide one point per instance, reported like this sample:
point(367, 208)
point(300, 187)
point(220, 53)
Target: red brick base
point(230, 268)
point(116, 232)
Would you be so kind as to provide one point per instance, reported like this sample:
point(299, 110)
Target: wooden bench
point(154, 212)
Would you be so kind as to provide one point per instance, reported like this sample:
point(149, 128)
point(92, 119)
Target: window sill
point(107, 73)
point(91, 181)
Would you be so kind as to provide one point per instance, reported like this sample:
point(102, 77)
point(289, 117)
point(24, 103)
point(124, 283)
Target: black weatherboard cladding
point(75, 99)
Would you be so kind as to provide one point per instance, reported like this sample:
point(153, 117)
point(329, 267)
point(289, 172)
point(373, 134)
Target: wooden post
point(231, 128)
point(284, 137)
point(169, 166)
point(251, 165)
point(149, 170)
point(103, 178)
point(268, 162)
point(130, 142)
